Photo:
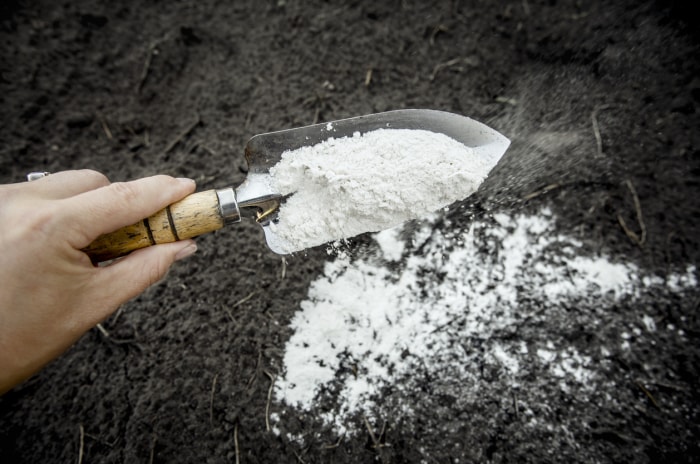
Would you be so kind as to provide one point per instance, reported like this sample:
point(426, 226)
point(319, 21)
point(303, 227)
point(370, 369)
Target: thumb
point(131, 275)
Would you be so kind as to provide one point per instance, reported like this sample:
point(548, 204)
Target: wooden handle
point(192, 216)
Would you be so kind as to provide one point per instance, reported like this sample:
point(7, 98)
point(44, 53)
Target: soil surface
point(601, 102)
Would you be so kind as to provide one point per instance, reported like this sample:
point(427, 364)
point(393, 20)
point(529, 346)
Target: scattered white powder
point(649, 323)
point(677, 282)
point(573, 366)
point(600, 273)
point(546, 356)
point(390, 243)
point(446, 314)
point(509, 362)
point(346, 186)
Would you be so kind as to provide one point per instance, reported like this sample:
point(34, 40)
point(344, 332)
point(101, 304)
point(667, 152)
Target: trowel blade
point(264, 151)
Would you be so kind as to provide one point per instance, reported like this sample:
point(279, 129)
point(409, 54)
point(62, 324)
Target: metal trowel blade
point(264, 151)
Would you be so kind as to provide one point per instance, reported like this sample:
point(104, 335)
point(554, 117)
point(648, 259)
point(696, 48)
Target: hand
point(50, 292)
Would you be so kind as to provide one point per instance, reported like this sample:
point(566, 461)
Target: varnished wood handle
point(192, 216)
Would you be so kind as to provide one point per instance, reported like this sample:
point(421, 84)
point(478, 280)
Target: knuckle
point(162, 179)
point(94, 177)
point(125, 192)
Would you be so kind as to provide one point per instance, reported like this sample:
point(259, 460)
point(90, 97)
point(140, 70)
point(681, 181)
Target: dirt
point(601, 103)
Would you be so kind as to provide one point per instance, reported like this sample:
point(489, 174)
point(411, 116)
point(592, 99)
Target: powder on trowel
point(345, 186)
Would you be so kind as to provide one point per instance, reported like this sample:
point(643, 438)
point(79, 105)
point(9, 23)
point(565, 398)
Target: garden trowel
point(255, 198)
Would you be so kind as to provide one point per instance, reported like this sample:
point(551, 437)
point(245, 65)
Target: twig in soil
point(668, 386)
point(105, 127)
point(612, 435)
point(283, 273)
point(436, 30)
point(211, 400)
point(146, 68)
point(102, 330)
point(542, 191)
point(371, 432)
point(506, 100)
point(235, 444)
point(649, 395)
point(152, 50)
point(336, 444)
point(515, 406)
point(153, 450)
point(381, 433)
point(447, 324)
point(638, 239)
point(447, 64)
point(299, 458)
point(596, 127)
point(255, 371)
point(183, 134)
point(526, 8)
point(82, 443)
point(101, 440)
point(368, 77)
point(243, 300)
point(269, 400)
point(211, 152)
point(109, 337)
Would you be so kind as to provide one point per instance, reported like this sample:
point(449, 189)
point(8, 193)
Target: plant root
point(269, 400)
point(640, 238)
point(183, 134)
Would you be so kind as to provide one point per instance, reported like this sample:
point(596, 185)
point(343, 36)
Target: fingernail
point(186, 180)
point(186, 251)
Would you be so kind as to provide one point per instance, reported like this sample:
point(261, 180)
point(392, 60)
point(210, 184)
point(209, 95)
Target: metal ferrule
point(263, 208)
point(228, 206)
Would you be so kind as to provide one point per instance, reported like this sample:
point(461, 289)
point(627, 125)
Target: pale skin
point(50, 291)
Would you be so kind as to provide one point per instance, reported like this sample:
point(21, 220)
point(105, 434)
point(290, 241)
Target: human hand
point(50, 292)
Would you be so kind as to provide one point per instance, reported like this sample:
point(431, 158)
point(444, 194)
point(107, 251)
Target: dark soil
point(137, 88)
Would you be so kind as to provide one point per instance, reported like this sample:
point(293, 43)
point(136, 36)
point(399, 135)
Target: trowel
point(255, 199)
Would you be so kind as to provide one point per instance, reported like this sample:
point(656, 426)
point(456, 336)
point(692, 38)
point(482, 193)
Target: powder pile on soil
point(346, 186)
point(385, 324)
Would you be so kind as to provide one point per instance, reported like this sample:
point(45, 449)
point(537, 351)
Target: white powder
point(367, 325)
point(649, 323)
point(510, 363)
point(365, 183)
point(390, 244)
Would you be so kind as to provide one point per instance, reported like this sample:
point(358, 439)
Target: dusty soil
point(595, 97)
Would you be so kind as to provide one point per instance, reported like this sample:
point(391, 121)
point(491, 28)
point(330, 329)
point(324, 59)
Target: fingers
point(66, 184)
point(131, 275)
point(120, 204)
